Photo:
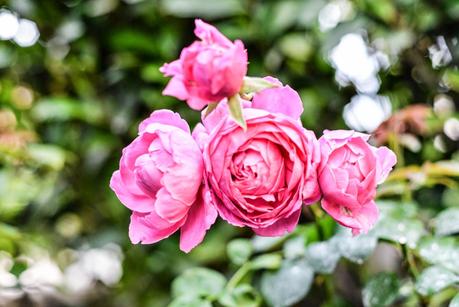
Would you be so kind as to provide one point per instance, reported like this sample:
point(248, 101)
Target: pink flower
point(161, 180)
point(260, 177)
point(349, 172)
point(208, 70)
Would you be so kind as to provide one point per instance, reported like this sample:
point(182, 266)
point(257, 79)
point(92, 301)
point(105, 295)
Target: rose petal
point(176, 88)
point(386, 159)
point(150, 228)
point(209, 34)
point(201, 216)
point(140, 203)
point(168, 208)
point(280, 227)
point(282, 100)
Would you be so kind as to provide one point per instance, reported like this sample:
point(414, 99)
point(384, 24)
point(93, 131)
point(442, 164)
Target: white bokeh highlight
point(9, 25)
point(356, 63)
point(333, 13)
point(366, 113)
point(27, 33)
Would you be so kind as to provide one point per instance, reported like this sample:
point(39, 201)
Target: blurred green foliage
point(73, 100)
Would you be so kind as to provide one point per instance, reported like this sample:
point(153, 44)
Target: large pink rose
point(208, 70)
point(161, 180)
point(261, 177)
point(349, 172)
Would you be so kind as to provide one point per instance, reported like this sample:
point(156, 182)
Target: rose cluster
point(250, 160)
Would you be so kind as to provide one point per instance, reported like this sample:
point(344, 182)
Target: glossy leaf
point(381, 290)
point(441, 251)
point(239, 251)
point(434, 279)
point(243, 295)
point(323, 256)
point(289, 285)
point(198, 282)
point(446, 223)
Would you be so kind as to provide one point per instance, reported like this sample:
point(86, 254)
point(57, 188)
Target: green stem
point(329, 287)
point(394, 144)
point(410, 260)
point(317, 215)
point(439, 299)
point(239, 275)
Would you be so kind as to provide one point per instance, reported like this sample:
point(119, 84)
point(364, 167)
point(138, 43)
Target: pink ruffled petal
point(284, 100)
point(280, 227)
point(135, 202)
point(165, 117)
point(209, 34)
point(150, 228)
point(200, 135)
point(176, 88)
point(168, 208)
point(200, 217)
point(360, 219)
point(386, 159)
point(197, 103)
point(172, 69)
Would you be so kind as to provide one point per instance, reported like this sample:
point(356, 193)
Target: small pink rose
point(349, 171)
point(261, 177)
point(161, 180)
point(208, 70)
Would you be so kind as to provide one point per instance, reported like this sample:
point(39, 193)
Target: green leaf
point(198, 282)
point(288, 285)
point(401, 231)
point(235, 108)
point(297, 46)
point(256, 84)
point(450, 197)
point(434, 279)
point(150, 72)
point(440, 251)
point(384, 9)
point(355, 249)
point(381, 290)
point(398, 223)
point(210, 107)
point(202, 8)
point(239, 251)
point(294, 248)
point(446, 223)
point(451, 79)
point(322, 256)
point(455, 301)
point(49, 155)
point(185, 301)
point(65, 109)
point(267, 261)
point(396, 209)
point(263, 244)
point(243, 295)
point(309, 232)
point(17, 189)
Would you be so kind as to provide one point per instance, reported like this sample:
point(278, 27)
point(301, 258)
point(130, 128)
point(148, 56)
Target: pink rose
point(260, 177)
point(349, 172)
point(161, 180)
point(208, 70)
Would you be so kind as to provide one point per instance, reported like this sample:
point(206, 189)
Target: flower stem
point(239, 275)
